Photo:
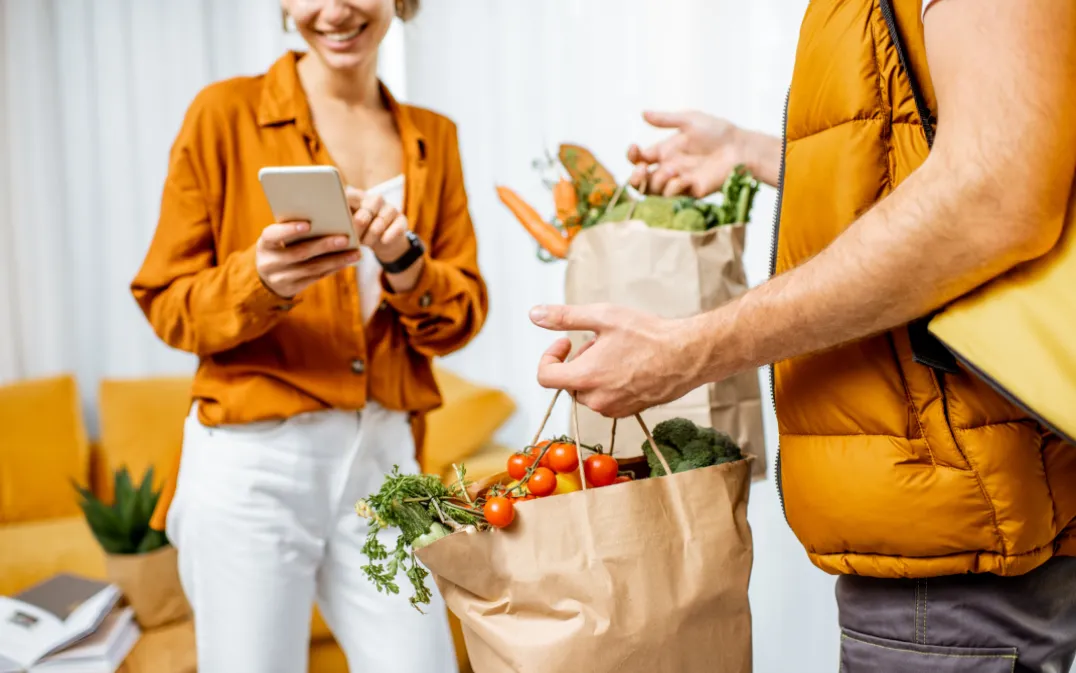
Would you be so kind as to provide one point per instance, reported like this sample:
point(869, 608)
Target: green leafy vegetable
point(424, 509)
point(686, 446)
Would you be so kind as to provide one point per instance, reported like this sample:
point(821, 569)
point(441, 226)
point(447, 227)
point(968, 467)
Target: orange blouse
point(262, 357)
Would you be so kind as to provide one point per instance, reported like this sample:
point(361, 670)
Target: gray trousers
point(960, 623)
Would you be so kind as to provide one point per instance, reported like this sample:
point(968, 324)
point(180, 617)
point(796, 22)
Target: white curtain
point(519, 77)
point(92, 94)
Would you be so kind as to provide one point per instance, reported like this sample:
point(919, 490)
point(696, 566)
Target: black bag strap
point(926, 348)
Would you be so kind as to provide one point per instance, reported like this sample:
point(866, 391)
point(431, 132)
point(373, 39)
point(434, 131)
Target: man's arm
point(992, 194)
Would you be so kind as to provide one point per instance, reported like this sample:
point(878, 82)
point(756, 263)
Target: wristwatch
point(404, 261)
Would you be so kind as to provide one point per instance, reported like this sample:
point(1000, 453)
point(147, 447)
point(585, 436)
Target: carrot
point(548, 236)
point(566, 200)
point(579, 161)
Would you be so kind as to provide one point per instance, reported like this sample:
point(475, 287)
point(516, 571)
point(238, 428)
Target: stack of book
point(66, 624)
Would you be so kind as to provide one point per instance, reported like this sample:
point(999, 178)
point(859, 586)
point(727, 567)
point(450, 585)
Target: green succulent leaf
point(123, 527)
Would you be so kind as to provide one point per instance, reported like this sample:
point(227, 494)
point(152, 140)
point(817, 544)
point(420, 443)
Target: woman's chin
point(344, 61)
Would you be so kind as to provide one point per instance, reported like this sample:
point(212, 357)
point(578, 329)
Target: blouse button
point(358, 366)
point(425, 300)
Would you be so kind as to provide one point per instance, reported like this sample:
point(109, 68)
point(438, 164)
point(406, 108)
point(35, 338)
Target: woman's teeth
point(343, 37)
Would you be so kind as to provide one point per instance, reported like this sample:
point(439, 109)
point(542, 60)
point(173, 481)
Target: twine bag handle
point(579, 448)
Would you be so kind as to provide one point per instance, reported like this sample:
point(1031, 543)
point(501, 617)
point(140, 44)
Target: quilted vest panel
point(887, 467)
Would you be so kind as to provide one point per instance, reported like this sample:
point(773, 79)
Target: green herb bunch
point(123, 527)
point(424, 509)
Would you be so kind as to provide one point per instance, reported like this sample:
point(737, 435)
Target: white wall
point(519, 77)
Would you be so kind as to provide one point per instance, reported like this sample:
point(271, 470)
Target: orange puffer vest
point(888, 467)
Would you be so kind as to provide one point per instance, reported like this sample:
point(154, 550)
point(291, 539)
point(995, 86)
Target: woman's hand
point(383, 229)
point(698, 158)
point(378, 225)
point(287, 266)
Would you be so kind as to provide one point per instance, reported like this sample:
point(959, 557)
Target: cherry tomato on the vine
point(537, 451)
point(542, 482)
point(499, 511)
point(563, 457)
point(600, 470)
point(518, 464)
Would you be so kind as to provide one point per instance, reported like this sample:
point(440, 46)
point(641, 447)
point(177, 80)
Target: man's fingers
point(667, 120)
point(553, 371)
point(674, 187)
point(590, 318)
point(638, 175)
point(659, 178)
point(280, 234)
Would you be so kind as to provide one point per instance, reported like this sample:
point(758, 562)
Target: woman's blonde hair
point(406, 9)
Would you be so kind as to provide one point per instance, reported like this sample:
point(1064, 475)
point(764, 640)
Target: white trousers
point(264, 523)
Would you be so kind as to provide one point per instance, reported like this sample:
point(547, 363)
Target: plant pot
point(150, 585)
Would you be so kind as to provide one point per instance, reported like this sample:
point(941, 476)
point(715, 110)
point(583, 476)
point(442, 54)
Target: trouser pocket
point(861, 653)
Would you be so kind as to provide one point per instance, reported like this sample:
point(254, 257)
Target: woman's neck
point(355, 88)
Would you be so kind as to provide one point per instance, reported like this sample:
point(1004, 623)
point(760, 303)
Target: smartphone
point(314, 194)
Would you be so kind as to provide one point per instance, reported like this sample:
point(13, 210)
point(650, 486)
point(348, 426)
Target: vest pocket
point(861, 653)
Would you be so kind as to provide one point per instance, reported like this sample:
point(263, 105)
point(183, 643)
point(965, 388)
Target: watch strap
point(406, 260)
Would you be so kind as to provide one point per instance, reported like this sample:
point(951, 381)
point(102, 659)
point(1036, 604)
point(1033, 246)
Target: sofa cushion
point(467, 421)
point(141, 426)
point(36, 551)
point(43, 447)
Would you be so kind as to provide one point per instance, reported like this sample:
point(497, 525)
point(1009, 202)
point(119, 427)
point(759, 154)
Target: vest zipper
point(773, 271)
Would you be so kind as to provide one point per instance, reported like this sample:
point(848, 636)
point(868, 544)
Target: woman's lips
point(341, 40)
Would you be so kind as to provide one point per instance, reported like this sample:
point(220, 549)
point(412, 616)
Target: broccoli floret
point(676, 432)
point(686, 446)
point(698, 453)
point(688, 219)
point(671, 455)
point(617, 213)
point(725, 448)
point(656, 211)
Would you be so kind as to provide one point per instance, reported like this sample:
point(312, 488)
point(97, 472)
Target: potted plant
point(138, 559)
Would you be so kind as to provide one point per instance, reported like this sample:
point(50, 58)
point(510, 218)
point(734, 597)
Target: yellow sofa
point(44, 447)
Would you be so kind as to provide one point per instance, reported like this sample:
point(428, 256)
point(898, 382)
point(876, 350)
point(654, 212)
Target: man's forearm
point(925, 245)
point(993, 193)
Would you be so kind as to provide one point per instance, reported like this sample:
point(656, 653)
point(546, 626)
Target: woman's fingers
point(319, 267)
point(395, 233)
point(366, 213)
point(278, 236)
point(386, 216)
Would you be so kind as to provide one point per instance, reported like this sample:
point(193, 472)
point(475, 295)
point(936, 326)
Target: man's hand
point(698, 158)
point(992, 194)
point(637, 360)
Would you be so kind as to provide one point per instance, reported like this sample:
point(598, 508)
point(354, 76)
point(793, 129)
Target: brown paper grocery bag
point(648, 576)
point(673, 274)
point(150, 585)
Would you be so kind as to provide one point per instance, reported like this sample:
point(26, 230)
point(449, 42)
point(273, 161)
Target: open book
point(102, 652)
point(50, 616)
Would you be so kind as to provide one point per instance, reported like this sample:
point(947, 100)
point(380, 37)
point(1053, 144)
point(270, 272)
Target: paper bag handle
point(579, 448)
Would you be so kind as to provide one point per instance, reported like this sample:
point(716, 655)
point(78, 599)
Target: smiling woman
point(314, 359)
